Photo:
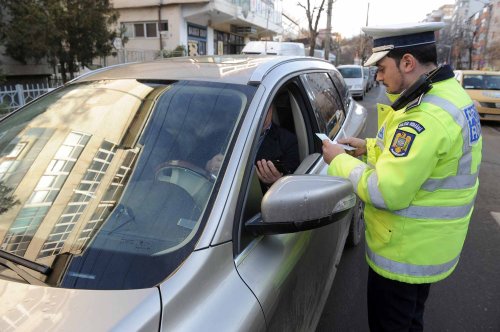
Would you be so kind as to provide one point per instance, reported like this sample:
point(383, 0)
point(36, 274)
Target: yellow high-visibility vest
point(419, 185)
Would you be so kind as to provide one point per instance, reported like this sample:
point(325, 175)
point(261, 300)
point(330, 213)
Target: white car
point(356, 79)
point(111, 221)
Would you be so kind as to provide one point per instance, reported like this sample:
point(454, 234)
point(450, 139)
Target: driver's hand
point(267, 172)
point(214, 164)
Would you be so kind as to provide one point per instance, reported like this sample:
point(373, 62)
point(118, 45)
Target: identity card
point(344, 146)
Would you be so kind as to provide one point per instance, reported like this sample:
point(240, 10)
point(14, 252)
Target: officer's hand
point(358, 143)
point(331, 151)
point(267, 172)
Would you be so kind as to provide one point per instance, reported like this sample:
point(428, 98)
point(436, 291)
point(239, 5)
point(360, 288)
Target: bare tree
point(313, 14)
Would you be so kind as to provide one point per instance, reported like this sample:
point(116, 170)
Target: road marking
point(496, 216)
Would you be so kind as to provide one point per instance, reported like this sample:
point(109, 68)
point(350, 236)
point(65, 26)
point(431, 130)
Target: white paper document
point(344, 146)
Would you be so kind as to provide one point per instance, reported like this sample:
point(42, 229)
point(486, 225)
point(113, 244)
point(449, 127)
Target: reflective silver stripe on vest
point(410, 269)
point(375, 194)
point(380, 144)
point(435, 212)
point(451, 182)
point(465, 162)
point(355, 175)
point(464, 179)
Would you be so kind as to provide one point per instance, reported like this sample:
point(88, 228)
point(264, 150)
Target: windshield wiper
point(43, 269)
point(12, 261)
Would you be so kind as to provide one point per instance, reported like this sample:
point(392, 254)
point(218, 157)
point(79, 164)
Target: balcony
point(256, 18)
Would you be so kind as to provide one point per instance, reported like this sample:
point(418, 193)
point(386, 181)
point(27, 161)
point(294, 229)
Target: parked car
point(484, 88)
point(368, 78)
point(355, 78)
point(111, 221)
point(373, 75)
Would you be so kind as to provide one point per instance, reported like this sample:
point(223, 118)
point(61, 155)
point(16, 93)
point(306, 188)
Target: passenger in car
point(278, 153)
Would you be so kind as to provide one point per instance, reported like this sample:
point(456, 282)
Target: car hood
point(37, 308)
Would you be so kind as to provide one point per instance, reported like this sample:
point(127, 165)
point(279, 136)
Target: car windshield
point(106, 182)
point(350, 72)
point(482, 82)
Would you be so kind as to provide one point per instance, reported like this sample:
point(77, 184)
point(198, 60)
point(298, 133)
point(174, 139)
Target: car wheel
point(357, 224)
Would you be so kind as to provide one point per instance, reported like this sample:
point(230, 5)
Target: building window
point(227, 43)
point(197, 31)
point(144, 29)
point(138, 30)
point(197, 40)
point(151, 30)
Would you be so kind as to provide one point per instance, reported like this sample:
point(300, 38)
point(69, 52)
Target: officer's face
point(390, 75)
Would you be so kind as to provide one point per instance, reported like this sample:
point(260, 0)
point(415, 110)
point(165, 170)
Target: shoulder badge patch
point(401, 143)
point(412, 124)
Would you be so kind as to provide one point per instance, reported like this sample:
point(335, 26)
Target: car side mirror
point(300, 202)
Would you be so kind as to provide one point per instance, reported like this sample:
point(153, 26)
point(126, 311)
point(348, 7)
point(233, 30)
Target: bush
point(180, 50)
point(4, 110)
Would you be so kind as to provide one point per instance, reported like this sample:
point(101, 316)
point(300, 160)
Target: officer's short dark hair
point(425, 54)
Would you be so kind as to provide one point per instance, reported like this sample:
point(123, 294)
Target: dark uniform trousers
point(394, 305)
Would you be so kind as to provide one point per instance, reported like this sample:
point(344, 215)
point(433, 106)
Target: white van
point(273, 48)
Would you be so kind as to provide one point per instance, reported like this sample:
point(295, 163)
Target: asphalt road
point(468, 300)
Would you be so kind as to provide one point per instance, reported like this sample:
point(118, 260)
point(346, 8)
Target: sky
point(348, 16)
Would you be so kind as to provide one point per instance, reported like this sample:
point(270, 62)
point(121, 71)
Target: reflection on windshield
point(112, 173)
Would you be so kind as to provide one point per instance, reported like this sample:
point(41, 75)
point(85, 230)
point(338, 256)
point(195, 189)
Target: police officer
point(420, 178)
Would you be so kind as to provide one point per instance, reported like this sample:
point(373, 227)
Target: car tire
point(357, 226)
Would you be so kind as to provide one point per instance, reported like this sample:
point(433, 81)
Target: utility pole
point(328, 29)
point(363, 37)
point(367, 13)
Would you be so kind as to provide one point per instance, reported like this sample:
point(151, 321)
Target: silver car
point(109, 219)
point(356, 79)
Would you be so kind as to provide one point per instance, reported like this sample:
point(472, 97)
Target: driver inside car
point(278, 153)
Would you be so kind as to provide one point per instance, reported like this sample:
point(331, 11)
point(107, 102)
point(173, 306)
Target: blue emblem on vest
point(381, 133)
point(473, 123)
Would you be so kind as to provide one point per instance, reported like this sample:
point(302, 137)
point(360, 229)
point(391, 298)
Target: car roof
point(240, 69)
point(347, 66)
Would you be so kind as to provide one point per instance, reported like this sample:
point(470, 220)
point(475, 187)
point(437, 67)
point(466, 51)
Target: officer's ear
point(408, 63)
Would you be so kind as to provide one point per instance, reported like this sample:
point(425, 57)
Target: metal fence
point(13, 97)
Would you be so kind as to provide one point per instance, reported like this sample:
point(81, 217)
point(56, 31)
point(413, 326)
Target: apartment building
point(202, 27)
point(444, 36)
point(493, 37)
point(480, 21)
